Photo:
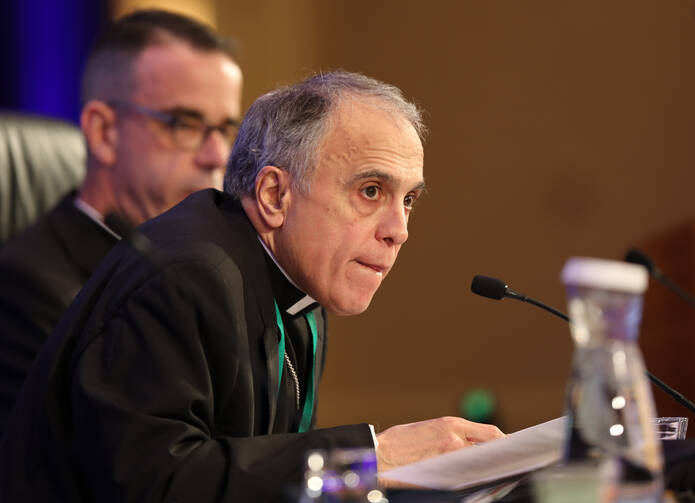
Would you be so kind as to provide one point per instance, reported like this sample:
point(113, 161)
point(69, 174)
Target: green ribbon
point(308, 408)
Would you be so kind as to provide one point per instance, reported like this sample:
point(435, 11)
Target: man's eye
point(228, 130)
point(184, 125)
point(371, 191)
point(409, 201)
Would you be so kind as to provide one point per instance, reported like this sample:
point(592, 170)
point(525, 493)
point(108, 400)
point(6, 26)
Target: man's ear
point(98, 125)
point(273, 195)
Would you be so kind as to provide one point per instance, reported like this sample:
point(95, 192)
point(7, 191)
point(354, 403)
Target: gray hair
point(285, 127)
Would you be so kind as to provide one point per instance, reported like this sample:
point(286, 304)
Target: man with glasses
point(188, 368)
point(162, 105)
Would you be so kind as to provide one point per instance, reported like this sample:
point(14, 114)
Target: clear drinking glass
point(341, 476)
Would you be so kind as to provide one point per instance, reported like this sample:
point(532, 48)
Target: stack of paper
point(517, 453)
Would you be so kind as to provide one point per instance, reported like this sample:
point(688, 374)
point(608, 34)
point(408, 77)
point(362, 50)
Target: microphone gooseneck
point(497, 289)
point(638, 257)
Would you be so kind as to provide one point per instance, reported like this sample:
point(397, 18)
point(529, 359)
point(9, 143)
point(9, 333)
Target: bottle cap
point(605, 274)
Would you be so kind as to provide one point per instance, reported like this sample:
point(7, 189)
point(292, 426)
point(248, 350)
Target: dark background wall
point(558, 128)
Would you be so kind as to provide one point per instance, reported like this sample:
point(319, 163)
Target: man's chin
point(349, 307)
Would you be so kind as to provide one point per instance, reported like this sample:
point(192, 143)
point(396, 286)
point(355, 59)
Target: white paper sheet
point(517, 453)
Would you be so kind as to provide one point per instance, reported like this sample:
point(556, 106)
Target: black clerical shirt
point(298, 346)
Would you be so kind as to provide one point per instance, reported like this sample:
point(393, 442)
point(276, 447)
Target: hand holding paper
point(517, 453)
point(409, 443)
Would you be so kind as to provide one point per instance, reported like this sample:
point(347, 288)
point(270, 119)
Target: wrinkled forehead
point(350, 107)
point(357, 124)
point(362, 137)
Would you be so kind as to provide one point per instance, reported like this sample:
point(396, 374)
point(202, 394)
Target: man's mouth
point(378, 269)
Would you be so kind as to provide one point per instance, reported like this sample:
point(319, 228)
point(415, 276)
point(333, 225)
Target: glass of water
point(341, 476)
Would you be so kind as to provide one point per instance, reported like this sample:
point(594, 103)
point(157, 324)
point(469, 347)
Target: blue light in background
point(53, 39)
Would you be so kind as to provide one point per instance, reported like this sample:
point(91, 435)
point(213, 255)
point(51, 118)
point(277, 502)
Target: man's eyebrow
point(187, 112)
point(382, 175)
point(422, 187)
point(373, 173)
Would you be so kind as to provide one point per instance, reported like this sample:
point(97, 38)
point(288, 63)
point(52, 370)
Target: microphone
point(497, 289)
point(638, 257)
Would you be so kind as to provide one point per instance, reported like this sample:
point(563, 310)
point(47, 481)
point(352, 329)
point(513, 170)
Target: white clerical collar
point(93, 214)
point(304, 301)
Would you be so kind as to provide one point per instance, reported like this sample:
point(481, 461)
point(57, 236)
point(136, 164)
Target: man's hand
point(407, 443)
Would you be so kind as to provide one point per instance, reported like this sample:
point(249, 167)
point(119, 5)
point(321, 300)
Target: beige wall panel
point(278, 41)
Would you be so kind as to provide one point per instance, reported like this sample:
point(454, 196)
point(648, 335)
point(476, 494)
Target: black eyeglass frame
point(184, 125)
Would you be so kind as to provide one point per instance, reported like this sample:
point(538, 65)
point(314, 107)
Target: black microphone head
point(634, 256)
point(492, 288)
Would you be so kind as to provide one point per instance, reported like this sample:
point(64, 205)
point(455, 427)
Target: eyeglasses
point(188, 129)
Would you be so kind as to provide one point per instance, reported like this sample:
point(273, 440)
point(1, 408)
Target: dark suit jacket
point(161, 382)
point(41, 271)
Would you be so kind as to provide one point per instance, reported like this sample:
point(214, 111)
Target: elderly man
point(162, 99)
point(187, 368)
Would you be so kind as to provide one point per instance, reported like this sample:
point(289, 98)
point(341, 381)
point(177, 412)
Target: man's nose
point(214, 151)
point(393, 228)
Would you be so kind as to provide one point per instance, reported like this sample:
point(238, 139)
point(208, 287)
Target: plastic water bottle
point(609, 402)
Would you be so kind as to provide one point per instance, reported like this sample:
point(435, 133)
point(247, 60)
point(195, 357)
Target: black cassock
point(41, 271)
point(161, 382)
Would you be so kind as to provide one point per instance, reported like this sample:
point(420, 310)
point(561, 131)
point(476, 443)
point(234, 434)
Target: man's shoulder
point(37, 255)
point(201, 251)
point(58, 251)
point(204, 232)
point(38, 238)
point(201, 213)
point(208, 226)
